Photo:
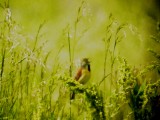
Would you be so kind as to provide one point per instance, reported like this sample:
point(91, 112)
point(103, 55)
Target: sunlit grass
point(36, 84)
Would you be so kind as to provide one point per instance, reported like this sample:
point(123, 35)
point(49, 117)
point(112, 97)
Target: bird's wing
point(78, 74)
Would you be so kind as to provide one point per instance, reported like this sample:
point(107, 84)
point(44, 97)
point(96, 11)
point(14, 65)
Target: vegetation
point(32, 88)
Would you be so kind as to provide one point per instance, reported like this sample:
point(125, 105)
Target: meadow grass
point(30, 90)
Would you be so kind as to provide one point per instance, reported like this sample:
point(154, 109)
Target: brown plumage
point(83, 73)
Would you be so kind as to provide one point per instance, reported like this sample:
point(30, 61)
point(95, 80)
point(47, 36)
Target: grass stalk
point(37, 35)
point(78, 18)
point(70, 55)
point(2, 67)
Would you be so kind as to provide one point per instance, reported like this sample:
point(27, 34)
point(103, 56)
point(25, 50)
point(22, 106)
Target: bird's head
point(85, 62)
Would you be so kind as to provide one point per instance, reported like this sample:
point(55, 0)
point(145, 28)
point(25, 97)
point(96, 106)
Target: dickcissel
point(83, 73)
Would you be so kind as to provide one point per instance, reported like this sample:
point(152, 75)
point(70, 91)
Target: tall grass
point(30, 90)
point(23, 73)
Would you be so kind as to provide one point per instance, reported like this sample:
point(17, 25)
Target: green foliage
point(25, 87)
point(142, 97)
point(151, 94)
point(31, 88)
point(93, 97)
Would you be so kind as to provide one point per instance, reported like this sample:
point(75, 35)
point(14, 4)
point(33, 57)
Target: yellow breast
point(84, 77)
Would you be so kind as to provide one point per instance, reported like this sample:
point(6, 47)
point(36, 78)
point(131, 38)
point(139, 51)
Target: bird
point(83, 74)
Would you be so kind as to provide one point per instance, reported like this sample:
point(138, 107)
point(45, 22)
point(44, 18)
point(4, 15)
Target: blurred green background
point(141, 18)
point(35, 57)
